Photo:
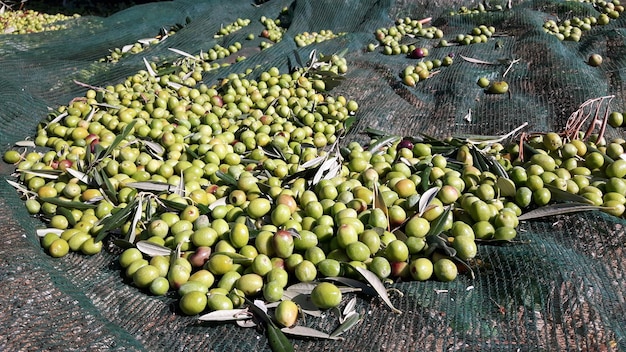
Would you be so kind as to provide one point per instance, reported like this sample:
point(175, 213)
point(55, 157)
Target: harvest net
point(563, 290)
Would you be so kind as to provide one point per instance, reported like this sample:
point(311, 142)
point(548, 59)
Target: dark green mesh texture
point(564, 291)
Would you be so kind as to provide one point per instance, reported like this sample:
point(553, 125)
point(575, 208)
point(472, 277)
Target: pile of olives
point(391, 38)
point(274, 30)
point(572, 29)
point(232, 27)
point(30, 21)
point(412, 74)
point(306, 38)
point(480, 8)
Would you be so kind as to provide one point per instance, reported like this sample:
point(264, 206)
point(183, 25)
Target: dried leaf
point(308, 332)
point(313, 162)
point(477, 61)
point(558, 209)
point(30, 144)
point(68, 203)
point(349, 308)
point(133, 225)
point(43, 232)
point(375, 282)
point(20, 187)
point(218, 202)
point(153, 249)
point(151, 186)
point(49, 174)
point(350, 321)
point(426, 198)
point(149, 68)
point(180, 52)
point(83, 177)
point(227, 315)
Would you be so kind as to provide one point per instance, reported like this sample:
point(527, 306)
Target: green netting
point(563, 291)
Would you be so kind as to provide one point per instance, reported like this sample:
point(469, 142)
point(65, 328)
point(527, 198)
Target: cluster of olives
point(572, 29)
point(274, 30)
point(391, 38)
point(306, 38)
point(412, 74)
point(480, 8)
point(232, 27)
point(30, 21)
point(480, 34)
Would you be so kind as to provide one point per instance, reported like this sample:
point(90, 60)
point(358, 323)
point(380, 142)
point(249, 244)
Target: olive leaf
point(379, 202)
point(375, 282)
point(152, 249)
point(424, 183)
point(305, 331)
point(236, 257)
point(150, 186)
point(478, 61)
point(559, 209)
point(277, 340)
point(29, 144)
point(227, 315)
point(228, 179)
point(180, 52)
point(67, 214)
point(116, 220)
point(133, 224)
point(351, 320)
point(50, 174)
point(426, 199)
point(564, 196)
point(149, 68)
point(355, 285)
point(68, 203)
point(43, 232)
point(383, 142)
point(21, 188)
point(83, 177)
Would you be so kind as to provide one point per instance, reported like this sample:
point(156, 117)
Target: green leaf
point(436, 227)
point(116, 220)
point(350, 321)
point(558, 209)
point(375, 282)
point(228, 179)
point(564, 196)
point(67, 214)
point(68, 203)
point(119, 138)
point(277, 339)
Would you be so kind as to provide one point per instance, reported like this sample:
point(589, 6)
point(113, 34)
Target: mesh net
point(563, 291)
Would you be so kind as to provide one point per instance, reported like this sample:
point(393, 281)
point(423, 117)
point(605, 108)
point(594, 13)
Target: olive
point(326, 295)
point(286, 313)
point(193, 303)
point(445, 270)
point(421, 269)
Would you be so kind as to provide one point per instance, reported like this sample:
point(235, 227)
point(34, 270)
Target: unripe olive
point(286, 313)
point(326, 295)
